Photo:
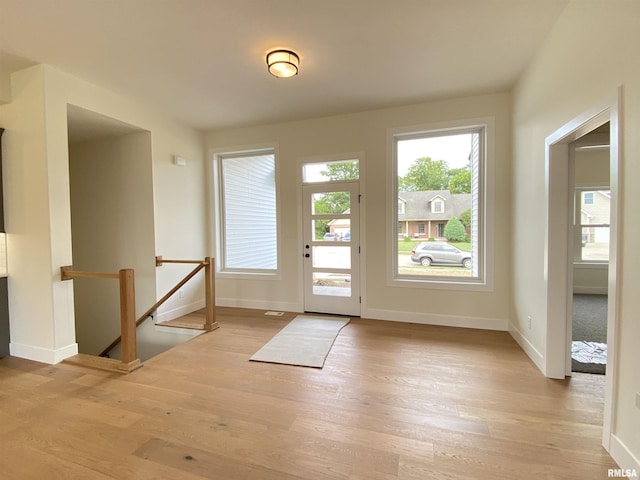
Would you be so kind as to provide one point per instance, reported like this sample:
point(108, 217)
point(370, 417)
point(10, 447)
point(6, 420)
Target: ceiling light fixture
point(283, 63)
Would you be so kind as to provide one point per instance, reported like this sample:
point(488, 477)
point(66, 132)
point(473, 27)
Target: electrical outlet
point(529, 322)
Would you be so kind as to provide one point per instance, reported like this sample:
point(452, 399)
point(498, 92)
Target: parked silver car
point(440, 253)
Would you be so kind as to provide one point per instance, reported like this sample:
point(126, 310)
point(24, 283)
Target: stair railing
point(208, 264)
point(126, 278)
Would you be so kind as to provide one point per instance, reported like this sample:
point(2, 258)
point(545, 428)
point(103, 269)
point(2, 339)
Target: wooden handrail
point(178, 286)
point(67, 273)
point(209, 265)
point(126, 277)
point(160, 261)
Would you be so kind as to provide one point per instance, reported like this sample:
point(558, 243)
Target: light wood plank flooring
point(394, 401)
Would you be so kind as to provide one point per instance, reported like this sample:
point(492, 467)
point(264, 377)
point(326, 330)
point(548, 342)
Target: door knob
point(307, 255)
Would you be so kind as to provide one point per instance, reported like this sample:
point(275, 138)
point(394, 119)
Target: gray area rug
point(589, 346)
point(305, 341)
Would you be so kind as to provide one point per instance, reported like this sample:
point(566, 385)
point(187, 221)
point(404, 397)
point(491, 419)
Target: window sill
point(249, 275)
point(442, 283)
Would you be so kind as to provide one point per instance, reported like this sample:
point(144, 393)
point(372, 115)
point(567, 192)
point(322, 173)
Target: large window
point(439, 175)
point(248, 213)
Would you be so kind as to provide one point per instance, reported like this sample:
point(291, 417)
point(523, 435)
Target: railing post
point(210, 294)
point(128, 316)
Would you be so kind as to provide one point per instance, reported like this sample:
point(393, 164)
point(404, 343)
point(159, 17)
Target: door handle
point(307, 255)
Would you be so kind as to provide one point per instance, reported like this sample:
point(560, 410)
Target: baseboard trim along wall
point(165, 316)
point(436, 319)
point(259, 304)
point(43, 355)
point(629, 464)
point(532, 352)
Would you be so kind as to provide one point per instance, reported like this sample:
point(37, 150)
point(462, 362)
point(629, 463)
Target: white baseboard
point(43, 355)
point(434, 319)
point(532, 352)
point(623, 457)
point(259, 304)
point(179, 312)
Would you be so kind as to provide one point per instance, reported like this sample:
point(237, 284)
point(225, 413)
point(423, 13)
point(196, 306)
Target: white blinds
point(249, 212)
point(475, 202)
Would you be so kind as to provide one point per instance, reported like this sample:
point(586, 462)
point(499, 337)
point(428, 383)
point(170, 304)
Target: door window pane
point(330, 203)
point(331, 171)
point(331, 257)
point(332, 284)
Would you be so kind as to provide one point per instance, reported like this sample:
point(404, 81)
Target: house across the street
point(424, 214)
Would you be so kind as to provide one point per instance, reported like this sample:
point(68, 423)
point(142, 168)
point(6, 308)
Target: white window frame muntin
point(216, 206)
point(485, 281)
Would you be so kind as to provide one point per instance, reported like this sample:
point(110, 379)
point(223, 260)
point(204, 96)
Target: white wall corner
point(179, 311)
point(43, 355)
point(532, 352)
point(435, 319)
point(624, 457)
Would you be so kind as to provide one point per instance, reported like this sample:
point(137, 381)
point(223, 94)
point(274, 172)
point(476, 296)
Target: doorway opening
point(589, 186)
point(559, 246)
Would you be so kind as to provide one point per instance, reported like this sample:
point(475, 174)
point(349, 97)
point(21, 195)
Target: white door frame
point(300, 162)
point(558, 264)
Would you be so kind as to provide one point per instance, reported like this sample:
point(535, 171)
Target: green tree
point(460, 180)
point(454, 231)
point(328, 203)
point(341, 171)
point(334, 202)
point(425, 174)
point(465, 218)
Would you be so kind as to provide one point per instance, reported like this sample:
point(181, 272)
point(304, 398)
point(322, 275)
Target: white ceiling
point(202, 62)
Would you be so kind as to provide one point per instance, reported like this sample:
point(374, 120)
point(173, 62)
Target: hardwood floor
point(394, 401)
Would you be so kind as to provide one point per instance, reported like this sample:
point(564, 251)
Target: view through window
point(591, 221)
point(439, 193)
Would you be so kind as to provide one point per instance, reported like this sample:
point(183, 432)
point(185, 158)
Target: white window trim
point(485, 282)
point(215, 212)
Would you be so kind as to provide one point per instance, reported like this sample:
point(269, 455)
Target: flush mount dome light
point(283, 63)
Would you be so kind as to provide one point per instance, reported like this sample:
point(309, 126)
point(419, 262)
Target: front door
point(331, 250)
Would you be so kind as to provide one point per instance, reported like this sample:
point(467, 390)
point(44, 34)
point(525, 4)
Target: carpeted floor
point(589, 325)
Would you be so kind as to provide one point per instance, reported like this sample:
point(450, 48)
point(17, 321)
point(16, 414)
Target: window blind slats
point(475, 210)
point(249, 212)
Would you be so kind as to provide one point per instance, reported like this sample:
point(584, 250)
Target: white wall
point(368, 132)
point(37, 203)
point(112, 228)
point(562, 83)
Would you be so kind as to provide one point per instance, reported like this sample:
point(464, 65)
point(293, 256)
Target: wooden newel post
point(128, 316)
point(210, 294)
